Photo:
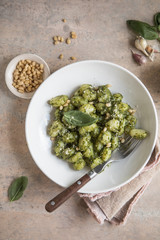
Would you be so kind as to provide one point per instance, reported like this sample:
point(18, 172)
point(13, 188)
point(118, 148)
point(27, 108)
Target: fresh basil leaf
point(157, 21)
point(78, 118)
point(143, 29)
point(17, 188)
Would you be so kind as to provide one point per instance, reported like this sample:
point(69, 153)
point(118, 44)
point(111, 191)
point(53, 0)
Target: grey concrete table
point(28, 26)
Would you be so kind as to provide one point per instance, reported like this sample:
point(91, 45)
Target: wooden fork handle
point(67, 193)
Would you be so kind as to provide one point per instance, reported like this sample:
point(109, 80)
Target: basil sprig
point(157, 21)
point(78, 118)
point(143, 29)
point(17, 188)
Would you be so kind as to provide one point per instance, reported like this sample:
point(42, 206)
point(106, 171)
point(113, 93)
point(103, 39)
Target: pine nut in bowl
point(25, 73)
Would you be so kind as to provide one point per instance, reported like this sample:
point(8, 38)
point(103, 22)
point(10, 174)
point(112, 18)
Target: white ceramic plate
point(65, 81)
point(11, 67)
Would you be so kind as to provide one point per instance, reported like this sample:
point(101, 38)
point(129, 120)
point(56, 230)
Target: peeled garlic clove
point(149, 49)
point(138, 58)
point(152, 55)
point(141, 44)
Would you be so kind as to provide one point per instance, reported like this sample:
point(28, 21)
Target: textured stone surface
point(28, 26)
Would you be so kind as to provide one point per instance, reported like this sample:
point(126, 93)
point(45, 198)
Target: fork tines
point(129, 145)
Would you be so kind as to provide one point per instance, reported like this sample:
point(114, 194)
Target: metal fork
point(125, 149)
point(122, 152)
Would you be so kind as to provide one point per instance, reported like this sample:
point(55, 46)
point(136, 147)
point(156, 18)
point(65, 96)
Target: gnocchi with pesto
point(91, 144)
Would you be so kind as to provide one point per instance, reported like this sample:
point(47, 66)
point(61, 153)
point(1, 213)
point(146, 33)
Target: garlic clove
point(149, 49)
point(141, 44)
point(152, 55)
point(139, 59)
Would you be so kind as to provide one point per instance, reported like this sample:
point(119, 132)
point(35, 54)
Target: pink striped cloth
point(116, 206)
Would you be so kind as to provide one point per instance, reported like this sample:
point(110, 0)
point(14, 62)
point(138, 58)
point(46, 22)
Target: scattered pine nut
point(65, 105)
point(55, 38)
point(73, 35)
point(108, 144)
point(62, 39)
point(132, 111)
point(108, 115)
point(56, 42)
point(61, 56)
point(122, 140)
point(68, 41)
point(72, 58)
point(108, 104)
point(59, 39)
point(108, 85)
point(61, 107)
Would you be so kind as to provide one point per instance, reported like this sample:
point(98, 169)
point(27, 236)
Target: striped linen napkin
point(116, 206)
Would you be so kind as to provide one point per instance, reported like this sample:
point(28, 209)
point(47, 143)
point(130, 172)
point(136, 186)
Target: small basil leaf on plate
point(78, 118)
point(17, 188)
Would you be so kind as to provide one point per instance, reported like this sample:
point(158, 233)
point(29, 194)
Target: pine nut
point(61, 56)
point(68, 41)
point(41, 66)
point(72, 58)
point(21, 91)
point(62, 39)
point(26, 74)
point(55, 38)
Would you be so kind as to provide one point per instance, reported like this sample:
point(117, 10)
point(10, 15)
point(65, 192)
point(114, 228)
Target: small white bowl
point(11, 67)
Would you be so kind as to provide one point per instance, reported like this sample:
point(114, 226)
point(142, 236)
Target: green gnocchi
point(93, 144)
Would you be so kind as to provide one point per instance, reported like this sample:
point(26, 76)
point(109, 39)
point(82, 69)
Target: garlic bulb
point(141, 44)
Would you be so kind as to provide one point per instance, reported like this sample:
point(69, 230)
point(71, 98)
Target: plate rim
point(153, 105)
